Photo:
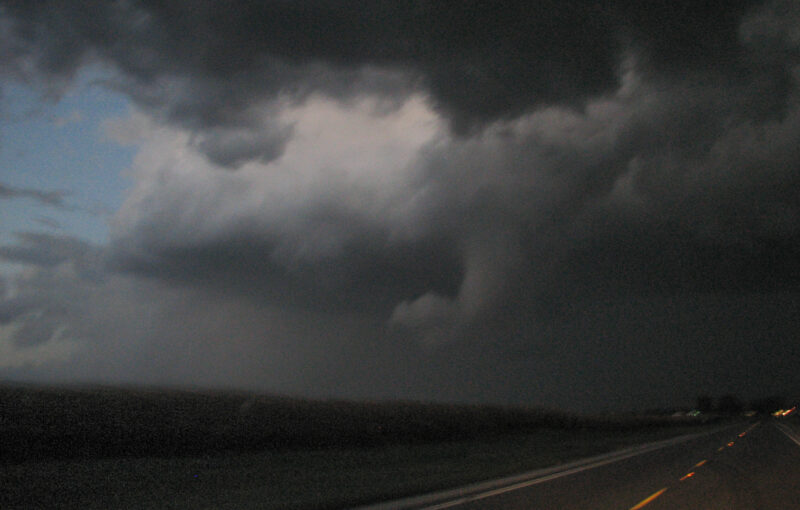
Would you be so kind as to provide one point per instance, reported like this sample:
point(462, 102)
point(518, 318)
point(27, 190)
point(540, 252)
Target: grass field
point(143, 448)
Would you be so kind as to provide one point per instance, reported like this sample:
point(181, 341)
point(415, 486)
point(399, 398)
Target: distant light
point(789, 411)
point(687, 475)
point(730, 444)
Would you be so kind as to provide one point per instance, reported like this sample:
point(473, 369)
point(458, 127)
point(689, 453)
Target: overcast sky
point(545, 203)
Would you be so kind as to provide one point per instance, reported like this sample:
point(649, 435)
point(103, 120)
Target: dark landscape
point(100, 447)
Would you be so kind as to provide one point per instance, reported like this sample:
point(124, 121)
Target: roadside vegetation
point(148, 448)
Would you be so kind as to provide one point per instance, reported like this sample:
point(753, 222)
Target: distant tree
point(730, 404)
point(704, 404)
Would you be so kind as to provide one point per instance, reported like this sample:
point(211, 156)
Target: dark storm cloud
point(57, 325)
point(616, 200)
point(231, 148)
point(209, 65)
point(617, 189)
point(362, 277)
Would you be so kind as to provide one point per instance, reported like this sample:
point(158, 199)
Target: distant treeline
point(43, 422)
point(732, 404)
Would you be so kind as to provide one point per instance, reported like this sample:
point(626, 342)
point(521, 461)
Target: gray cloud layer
point(51, 198)
point(212, 67)
point(609, 188)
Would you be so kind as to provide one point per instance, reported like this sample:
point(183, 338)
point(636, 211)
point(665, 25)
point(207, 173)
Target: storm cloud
point(214, 68)
point(516, 203)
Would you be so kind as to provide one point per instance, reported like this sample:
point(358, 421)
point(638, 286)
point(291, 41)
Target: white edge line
point(453, 497)
point(535, 481)
point(788, 432)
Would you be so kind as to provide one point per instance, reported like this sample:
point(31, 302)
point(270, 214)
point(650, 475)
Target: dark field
point(142, 448)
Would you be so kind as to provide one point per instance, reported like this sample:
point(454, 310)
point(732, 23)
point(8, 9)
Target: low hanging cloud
point(533, 198)
point(52, 251)
point(429, 199)
point(45, 197)
point(331, 217)
point(58, 324)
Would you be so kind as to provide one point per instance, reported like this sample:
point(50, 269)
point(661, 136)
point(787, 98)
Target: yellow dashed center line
point(649, 499)
point(653, 496)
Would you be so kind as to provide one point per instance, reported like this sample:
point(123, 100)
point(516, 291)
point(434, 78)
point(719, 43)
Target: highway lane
point(749, 466)
point(758, 471)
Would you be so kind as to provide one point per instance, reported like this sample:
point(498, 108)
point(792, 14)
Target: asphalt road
point(750, 467)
